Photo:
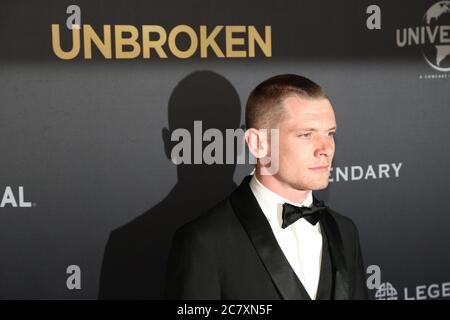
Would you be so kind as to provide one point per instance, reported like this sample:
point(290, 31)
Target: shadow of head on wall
point(202, 103)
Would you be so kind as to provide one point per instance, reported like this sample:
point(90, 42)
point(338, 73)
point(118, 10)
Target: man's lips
point(320, 168)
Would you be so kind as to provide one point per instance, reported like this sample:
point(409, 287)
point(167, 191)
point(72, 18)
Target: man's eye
point(331, 133)
point(305, 135)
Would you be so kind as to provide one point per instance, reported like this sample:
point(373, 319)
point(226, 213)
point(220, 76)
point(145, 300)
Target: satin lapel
point(260, 233)
point(336, 248)
point(325, 287)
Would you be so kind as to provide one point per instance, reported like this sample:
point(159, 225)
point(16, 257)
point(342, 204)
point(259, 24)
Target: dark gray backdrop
point(87, 140)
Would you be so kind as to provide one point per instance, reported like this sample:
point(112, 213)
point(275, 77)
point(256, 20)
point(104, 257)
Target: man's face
point(306, 143)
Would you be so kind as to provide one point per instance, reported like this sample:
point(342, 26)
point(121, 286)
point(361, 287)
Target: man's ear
point(167, 142)
point(257, 142)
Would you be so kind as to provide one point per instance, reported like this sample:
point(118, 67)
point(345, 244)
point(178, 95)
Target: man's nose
point(324, 146)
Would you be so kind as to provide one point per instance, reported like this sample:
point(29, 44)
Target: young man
point(271, 239)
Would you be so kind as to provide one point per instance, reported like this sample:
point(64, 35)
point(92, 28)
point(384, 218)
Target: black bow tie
point(292, 213)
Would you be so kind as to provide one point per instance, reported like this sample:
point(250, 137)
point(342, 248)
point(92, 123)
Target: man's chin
point(321, 186)
point(311, 186)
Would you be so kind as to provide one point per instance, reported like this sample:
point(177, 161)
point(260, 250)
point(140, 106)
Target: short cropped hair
point(264, 106)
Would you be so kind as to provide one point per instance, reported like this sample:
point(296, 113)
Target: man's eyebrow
point(314, 129)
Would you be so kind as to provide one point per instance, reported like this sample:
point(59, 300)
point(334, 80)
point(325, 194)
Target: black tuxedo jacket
point(230, 252)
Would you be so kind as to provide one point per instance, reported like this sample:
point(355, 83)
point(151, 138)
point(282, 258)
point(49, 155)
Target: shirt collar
point(271, 203)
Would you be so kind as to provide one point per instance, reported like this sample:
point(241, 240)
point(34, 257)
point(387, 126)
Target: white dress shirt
point(301, 241)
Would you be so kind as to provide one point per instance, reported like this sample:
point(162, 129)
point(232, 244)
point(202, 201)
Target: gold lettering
point(131, 41)
point(173, 46)
point(147, 44)
point(240, 41)
point(104, 46)
point(231, 41)
point(209, 41)
point(265, 46)
point(56, 43)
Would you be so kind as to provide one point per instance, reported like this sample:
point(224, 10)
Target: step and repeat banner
point(101, 99)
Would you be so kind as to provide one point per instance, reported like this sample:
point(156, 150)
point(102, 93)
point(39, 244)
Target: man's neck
point(282, 189)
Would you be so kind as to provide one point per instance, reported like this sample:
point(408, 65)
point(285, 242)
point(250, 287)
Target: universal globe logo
point(386, 292)
point(437, 56)
point(433, 37)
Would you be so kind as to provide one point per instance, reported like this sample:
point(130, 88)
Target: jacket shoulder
point(345, 224)
point(348, 231)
